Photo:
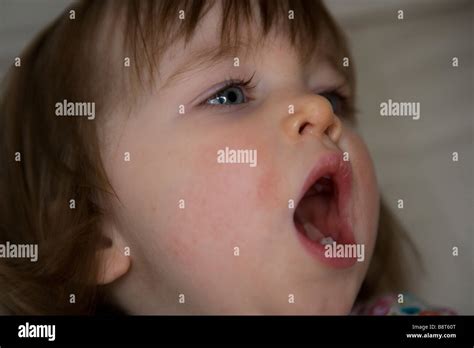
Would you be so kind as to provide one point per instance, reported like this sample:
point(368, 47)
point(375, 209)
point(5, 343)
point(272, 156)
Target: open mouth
point(316, 215)
point(322, 215)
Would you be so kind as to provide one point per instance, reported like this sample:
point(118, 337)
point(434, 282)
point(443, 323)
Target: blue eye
point(336, 101)
point(231, 95)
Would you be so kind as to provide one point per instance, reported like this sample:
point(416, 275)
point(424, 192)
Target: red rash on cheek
point(257, 185)
point(226, 192)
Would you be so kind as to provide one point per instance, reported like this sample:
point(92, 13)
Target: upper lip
point(333, 165)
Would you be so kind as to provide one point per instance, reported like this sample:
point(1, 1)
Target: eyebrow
point(204, 58)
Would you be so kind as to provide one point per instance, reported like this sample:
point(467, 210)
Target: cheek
point(366, 194)
point(270, 181)
point(225, 202)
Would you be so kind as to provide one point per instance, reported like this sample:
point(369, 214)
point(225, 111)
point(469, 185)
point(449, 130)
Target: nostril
point(302, 127)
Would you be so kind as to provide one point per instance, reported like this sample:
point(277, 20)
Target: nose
point(313, 115)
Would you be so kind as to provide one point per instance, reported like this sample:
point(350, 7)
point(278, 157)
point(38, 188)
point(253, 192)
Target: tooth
point(326, 240)
point(312, 232)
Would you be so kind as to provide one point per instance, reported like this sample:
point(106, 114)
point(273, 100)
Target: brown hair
point(60, 159)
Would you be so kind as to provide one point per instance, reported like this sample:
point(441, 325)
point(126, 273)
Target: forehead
point(207, 47)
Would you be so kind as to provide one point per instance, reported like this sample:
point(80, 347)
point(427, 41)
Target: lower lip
point(318, 250)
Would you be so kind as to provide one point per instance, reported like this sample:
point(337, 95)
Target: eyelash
point(246, 86)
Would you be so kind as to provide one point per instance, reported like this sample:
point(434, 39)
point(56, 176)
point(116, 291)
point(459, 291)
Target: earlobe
point(113, 261)
point(113, 264)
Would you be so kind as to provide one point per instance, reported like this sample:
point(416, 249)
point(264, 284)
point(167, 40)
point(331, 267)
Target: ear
point(113, 262)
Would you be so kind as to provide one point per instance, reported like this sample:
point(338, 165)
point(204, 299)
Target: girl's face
point(212, 237)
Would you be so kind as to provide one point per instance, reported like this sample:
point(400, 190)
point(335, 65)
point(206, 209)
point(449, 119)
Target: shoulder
point(399, 304)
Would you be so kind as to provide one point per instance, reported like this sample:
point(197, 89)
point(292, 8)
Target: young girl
point(190, 157)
